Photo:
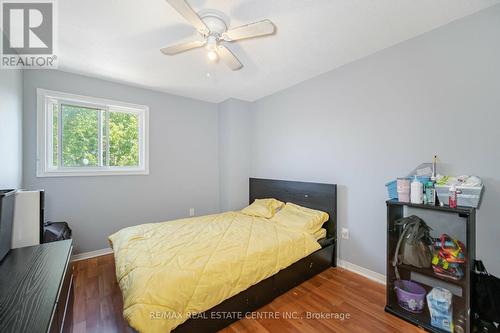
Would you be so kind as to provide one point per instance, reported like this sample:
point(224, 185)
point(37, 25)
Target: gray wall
point(363, 124)
point(184, 168)
point(358, 126)
point(234, 149)
point(11, 110)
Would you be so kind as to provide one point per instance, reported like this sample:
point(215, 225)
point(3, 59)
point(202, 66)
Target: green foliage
point(123, 139)
point(80, 137)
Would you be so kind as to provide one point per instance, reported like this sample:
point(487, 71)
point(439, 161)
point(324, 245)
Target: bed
point(202, 274)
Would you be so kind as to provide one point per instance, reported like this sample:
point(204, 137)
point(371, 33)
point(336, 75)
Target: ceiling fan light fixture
point(211, 44)
point(212, 55)
point(213, 28)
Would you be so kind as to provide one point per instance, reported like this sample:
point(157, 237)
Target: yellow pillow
point(297, 217)
point(263, 208)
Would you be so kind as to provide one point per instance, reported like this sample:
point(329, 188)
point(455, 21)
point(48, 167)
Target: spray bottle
point(453, 196)
point(435, 199)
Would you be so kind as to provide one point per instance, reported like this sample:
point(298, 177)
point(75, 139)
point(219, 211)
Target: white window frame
point(45, 140)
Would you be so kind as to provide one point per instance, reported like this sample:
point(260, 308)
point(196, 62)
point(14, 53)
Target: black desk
point(36, 288)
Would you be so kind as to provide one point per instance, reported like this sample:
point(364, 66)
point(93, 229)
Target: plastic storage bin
point(392, 186)
point(423, 179)
point(392, 189)
point(469, 196)
point(411, 295)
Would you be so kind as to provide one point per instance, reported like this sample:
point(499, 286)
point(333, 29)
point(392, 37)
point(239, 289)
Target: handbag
point(486, 289)
point(413, 247)
point(483, 326)
point(56, 231)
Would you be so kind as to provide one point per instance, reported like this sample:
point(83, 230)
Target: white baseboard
point(374, 276)
point(91, 254)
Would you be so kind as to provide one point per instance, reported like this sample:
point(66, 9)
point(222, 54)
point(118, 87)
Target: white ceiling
point(119, 40)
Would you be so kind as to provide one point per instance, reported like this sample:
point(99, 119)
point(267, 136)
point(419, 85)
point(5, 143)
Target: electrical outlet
point(191, 211)
point(345, 233)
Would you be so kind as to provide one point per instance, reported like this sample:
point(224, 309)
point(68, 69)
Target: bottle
point(453, 196)
point(460, 323)
point(417, 191)
point(433, 180)
point(430, 193)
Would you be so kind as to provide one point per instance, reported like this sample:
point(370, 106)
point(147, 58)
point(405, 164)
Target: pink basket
point(411, 295)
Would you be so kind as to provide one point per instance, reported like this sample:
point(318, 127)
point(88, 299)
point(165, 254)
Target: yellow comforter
point(168, 271)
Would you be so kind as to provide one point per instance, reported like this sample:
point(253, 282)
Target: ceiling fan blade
point(189, 14)
point(182, 47)
point(229, 58)
point(257, 29)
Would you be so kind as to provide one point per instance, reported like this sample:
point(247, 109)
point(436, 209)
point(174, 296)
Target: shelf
point(422, 319)
point(419, 319)
point(459, 222)
point(430, 272)
point(459, 210)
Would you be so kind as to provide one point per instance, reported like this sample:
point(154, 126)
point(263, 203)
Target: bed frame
point(312, 195)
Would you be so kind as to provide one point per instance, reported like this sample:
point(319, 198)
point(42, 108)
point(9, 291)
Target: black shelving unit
point(462, 225)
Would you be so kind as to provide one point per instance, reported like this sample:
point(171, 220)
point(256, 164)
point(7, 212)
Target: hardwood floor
point(336, 293)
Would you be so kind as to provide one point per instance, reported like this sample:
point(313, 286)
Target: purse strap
point(479, 267)
point(395, 261)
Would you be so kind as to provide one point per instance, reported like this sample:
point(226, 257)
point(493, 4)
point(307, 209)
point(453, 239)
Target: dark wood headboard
point(311, 195)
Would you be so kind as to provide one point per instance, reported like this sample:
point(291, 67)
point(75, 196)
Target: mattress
point(171, 271)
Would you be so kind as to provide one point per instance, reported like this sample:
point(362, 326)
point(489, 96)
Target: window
point(85, 136)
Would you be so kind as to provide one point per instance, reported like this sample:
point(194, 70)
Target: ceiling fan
point(214, 34)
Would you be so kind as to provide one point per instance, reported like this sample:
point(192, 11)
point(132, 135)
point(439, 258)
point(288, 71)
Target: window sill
point(94, 173)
